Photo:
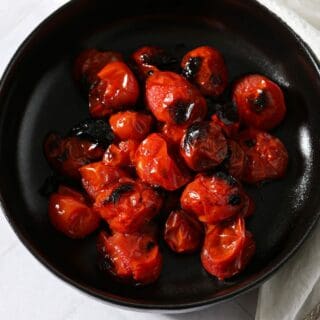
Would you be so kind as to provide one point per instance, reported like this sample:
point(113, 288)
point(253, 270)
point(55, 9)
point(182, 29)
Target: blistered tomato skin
point(128, 205)
point(213, 198)
point(97, 176)
point(205, 67)
point(172, 99)
point(67, 155)
point(227, 249)
point(183, 233)
point(116, 89)
point(236, 159)
point(135, 258)
point(130, 125)
point(156, 166)
point(70, 214)
point(89, 62)
point(260, 102)
point(266, 156)
point(203, 146)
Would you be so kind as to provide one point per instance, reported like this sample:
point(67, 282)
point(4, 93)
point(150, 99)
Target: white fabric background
point(29, 291)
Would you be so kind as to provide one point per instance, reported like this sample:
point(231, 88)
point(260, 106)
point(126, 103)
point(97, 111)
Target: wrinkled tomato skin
point(128, 205)
point(97, 176)
point(173, 133)
point(156, 166)
point(227, 249)
point(89, 62)
point(266, 156)
point(236, 160)
point(260, 102)
point(70, 214)
point(122, 154)
point(130, 125)
point(68, 155)
point(172, 99)
point(131, 257)
point(230, 129)
point(203, 146)
point(183, 232)
point(213, 198)
point(205, 67)
point(116, 89)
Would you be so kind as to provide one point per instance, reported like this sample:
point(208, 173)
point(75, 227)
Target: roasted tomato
point(67, 155)
point(260, 102)
point(151, 59)
point(131, 125)
point(70, 214)
point(172, 99)
point(203, 146)
point(205, 67)
point(249, 207)
point(266, 156)
point(183, 233)
point(97, 176)
point(156, 166)
point(121, 154)
point(89, 62)
point(131, 257)
point(128, 205)
point(227, 118)
point(227, 249)
point(116, 89)
point(236, 159)
point(213, 198)
point(173, 133)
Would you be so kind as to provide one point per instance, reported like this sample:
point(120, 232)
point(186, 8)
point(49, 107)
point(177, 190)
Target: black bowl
point(37, 95)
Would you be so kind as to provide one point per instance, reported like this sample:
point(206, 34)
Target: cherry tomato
point(173, 99)
point(260, 102)
point(90, 61)
point(173, 133)
point(128, 205)
point(236, 159)
point(227, 249)
point(249, 206)
point(183, 232)
point(67, 155)
point(121, 154)
point(116, 89)
point(203, 146)
point(266, 156)
point(97, 176)
point(70, 214)
point(130, 125)
point(156, 166)
point(131, 257)
point(205, 67)
point(213, 198)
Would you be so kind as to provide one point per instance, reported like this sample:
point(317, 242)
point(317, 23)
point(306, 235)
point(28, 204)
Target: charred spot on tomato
point(163, 60)
point(63, 156)
point(224, 176)
point(181, 111)
point(116, 193)
point(194, 132)
point(192, 67)
point(260, 102)
point(95, 130)
point(227, 113)
point(250, 143)
point(150, 245)
point(216, 80)
point(234, 199)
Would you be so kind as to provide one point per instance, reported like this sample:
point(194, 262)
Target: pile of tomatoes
point(171, 140)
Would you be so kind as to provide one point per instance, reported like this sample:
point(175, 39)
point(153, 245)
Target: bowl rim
point(100, 295)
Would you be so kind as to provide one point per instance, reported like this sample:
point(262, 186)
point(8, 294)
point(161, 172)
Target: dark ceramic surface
point(37, 95)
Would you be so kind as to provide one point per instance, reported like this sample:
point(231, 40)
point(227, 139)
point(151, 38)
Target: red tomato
point(130, 125)
point(116, 89)
point(97, 176)
point(173, 99)
point(127, 206)
point(70, 214)
point(131, 257)
point(183, 233)
point(156, 166)
point(236, 160)
point(213, 198)
point(67, 155)
point(121, 154)
point(227, 249)
point(173, 133)
point(203, 146)
point(205, 67)
point(260, 102)
point(266, 156)
point(90, 61)
point(249, 207)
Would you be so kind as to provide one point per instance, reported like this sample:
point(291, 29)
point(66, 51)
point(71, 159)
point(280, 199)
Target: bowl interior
point(38, 95)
